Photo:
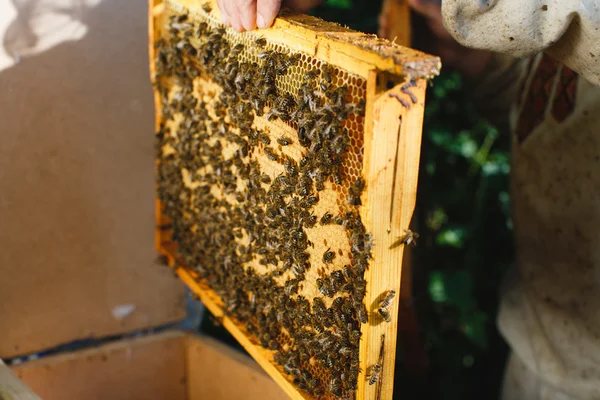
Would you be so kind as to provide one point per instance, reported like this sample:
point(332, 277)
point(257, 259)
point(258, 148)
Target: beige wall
point(76, 175)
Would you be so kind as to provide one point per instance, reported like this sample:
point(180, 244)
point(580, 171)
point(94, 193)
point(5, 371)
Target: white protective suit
point(550, 310)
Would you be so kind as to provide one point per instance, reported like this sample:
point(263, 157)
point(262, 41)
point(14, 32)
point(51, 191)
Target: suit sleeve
point(568, 30)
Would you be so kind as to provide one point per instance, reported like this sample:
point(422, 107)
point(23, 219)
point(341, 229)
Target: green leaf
point(436, 218)
point(452, 237)
point(437, 289)
point(343, 4)
point(474, 327)
point(468, 148)
point(459, 287)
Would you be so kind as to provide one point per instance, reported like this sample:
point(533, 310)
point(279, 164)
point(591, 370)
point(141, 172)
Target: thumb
point(266, 11)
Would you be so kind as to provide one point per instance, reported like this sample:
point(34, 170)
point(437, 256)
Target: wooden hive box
point(170, 365)
point(287, 163)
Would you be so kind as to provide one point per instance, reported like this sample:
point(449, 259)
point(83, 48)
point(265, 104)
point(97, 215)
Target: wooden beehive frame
point(392, 136)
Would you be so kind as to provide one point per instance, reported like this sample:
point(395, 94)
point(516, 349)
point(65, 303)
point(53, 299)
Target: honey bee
point(264, 178)
point(284, 141)
point(334, 386)
point(355, 192)
point(259, 106)
point(319, 185)
point(359, 108)
point(337, 303)
point(347, 272)
point(337, 177)
point(340, 144)
point(312, 200)
point(260, 42)
point(318, 306)
point(237, 49)
point(271, 154)
point(318, 327)
point(354, 336)
point(368, 242)
point(309, 220)
point(310, 75)
point(360, 287)
point(387, 299)
point(287, 101)
point(303, 190)
point(340, 317)
point(265, 55)
point(409, 238)
point(202, 28)
point(346, 351)
point(326, 218)
point(275, 112)
point(385, 314)
point(374, 373)
point(291, 60)
point(328, 256)
point(327, 74)
point(264, 138)
point(207, 8)
point(324, 286)
point(304, 162)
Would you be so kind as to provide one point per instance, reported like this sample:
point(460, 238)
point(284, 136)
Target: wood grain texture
point(171, 365)
point(77, 188)
point(396, 14)
point(12, 388)
point(149, 368)
point(391, 172)
point(216, 371)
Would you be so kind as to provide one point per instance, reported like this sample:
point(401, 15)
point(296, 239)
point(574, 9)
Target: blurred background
point(59, 49)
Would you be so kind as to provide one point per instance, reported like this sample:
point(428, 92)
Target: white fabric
point(566, 29)
point(550, 310)
point(551, 313)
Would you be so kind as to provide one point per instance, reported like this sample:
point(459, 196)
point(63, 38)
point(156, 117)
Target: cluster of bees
point(234, 214)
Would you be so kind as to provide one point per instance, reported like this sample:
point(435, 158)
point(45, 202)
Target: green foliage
point(342, 4)
point(360, 15)
point(466, 243)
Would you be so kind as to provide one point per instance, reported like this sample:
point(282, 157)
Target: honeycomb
point(259, 160)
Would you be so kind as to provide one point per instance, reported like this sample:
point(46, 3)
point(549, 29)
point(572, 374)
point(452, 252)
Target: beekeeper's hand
point(246, 15)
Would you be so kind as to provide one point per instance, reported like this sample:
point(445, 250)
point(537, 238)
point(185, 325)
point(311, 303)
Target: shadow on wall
point(76, 177)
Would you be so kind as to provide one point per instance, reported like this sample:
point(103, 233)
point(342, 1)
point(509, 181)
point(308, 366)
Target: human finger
point(224, 15)
point(246, 10)
point(266, 11)
point(233, 14)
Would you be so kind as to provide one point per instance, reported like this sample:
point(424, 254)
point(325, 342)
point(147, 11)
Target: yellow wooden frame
point(392, 140)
